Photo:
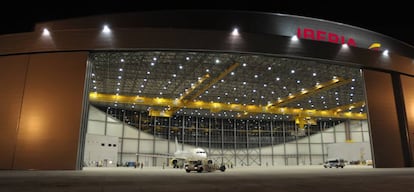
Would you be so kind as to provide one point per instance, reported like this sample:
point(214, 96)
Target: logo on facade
point(375, 46)
point(321, 35)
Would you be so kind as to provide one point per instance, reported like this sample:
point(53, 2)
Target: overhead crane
point(335, 82)
point(216, 106)
point(302, 116)
point(190, 94)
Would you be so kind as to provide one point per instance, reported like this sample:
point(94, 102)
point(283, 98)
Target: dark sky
point(392, 18)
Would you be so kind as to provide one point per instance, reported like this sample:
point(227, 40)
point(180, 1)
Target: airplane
point(180, 156)
point(194, 160)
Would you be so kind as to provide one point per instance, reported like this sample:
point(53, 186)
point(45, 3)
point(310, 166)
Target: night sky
point(395, 20)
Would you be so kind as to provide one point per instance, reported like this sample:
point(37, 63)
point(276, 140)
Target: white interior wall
point(101, 150)
point(96, 125)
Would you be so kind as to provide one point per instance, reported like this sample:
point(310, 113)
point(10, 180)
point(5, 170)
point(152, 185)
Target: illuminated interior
point(244, 109)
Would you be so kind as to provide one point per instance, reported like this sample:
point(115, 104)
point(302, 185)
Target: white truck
point(338, 162)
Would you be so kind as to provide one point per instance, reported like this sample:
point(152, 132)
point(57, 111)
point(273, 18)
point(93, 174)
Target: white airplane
point(180, 156)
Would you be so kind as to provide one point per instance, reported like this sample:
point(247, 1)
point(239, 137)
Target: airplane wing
point(159, 155)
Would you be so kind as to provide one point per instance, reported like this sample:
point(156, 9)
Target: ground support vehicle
point(203, 166)
point(334, 163)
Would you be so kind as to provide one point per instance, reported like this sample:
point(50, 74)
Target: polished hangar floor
point(155, 179)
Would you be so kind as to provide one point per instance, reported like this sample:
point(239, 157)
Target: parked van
point(334, 163)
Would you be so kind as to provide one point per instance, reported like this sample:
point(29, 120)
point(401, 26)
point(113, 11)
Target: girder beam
point(216, 107)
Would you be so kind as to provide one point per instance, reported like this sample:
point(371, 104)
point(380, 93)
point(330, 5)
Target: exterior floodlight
point(235, 32)
point(106, 29)
point(385, 53)
point(46, 32)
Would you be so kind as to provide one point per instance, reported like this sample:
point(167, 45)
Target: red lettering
point(333, 38)
point(351, 42)
point(308, 33)
point(320, 35)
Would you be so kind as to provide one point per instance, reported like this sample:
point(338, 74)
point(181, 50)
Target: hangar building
point(252, 88)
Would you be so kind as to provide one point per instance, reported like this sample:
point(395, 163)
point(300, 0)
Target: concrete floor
point(263, 179)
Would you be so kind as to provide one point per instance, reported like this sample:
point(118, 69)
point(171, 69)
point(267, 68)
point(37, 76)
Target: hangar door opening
point(243, 109)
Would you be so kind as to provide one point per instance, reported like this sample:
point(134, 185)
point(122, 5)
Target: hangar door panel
point(408, 91)
point(385, 134)
point(12, 79)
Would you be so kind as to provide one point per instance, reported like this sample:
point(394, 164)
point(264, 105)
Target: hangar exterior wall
point(385, 133)
point(12, 79)
point(40, 124)
point(408, 93)
point(20, 79)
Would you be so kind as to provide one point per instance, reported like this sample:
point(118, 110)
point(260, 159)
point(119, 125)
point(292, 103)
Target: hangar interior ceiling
point(230, 85)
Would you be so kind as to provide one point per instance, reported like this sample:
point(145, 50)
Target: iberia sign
point(321, 35)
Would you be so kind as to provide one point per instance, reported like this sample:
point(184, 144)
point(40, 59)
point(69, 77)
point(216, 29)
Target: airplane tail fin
point(176, 144)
